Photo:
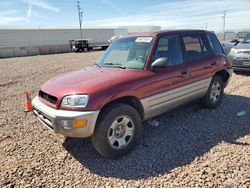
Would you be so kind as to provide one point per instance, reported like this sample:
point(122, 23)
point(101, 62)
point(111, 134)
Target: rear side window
point(214, 42)
point(169, 47)
point(195, 46)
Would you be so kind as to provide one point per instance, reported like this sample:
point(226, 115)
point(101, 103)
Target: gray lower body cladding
point(166, 101)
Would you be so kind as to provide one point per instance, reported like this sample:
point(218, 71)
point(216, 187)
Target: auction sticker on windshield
point(144, 39)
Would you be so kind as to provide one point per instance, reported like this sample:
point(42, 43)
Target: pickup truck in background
point(137, 78)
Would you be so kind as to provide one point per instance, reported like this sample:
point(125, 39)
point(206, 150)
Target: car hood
point(242, 46)
point(89, 81)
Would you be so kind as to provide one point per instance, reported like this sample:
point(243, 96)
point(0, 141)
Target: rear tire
point(117, 130)
point(214, 95)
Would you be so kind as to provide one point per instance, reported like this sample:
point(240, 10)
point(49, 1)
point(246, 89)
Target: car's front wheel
point(214, 94)
point(117, 130)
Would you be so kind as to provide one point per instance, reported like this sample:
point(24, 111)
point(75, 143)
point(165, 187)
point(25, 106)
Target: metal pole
point(224, 24)
point(80, 16)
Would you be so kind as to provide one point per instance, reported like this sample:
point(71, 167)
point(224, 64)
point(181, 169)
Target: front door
point(169, 84)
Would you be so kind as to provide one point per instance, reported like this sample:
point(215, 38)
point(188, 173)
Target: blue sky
point(168, 14)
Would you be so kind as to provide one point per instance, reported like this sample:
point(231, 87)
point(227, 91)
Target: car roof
point(163, 32)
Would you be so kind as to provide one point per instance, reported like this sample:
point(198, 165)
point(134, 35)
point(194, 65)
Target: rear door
point(199, 56)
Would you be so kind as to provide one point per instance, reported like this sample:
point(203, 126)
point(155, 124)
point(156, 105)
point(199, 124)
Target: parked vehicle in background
point(227, 44)
point(137, 78)
point(232, 40)
point(114, 38)
point(242, 35)
point(239, 55)
point(84, 45)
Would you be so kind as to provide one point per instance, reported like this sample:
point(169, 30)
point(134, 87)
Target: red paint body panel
point(101, 84)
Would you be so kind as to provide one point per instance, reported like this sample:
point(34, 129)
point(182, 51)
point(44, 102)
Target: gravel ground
point(191, 147)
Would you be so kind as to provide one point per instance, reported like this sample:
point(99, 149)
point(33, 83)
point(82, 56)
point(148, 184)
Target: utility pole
point(206, 25)
point(224, 24)
point(80, 16)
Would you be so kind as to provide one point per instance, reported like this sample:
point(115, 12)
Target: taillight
point(225, 62)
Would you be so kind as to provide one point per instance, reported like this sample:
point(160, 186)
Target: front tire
point(214, 95)
point(117, 130)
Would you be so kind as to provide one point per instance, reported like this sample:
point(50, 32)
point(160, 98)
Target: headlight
point(233, 51)
point(75, 101)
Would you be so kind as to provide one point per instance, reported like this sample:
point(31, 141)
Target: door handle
point(183, 72)
point(213, 63)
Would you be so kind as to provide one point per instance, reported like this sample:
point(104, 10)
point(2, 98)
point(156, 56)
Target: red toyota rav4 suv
point(137, 78)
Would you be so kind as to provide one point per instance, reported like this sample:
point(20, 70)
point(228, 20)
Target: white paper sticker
point(144, 39)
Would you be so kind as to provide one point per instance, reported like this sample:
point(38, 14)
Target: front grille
point(245, 52)
point(45, 120)
point(241, 63)
point(243, 58)
point(47, 97)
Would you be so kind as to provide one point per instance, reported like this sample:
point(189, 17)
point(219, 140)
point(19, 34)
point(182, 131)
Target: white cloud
point(7, 17)
point(10, 16)
point(38, 15)
point(7, 20)
point(187, 14)
point(42, 4)
point(8, 12)
point(111, 4)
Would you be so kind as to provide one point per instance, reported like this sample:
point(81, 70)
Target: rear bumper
point(59, 120)
point(241, 68)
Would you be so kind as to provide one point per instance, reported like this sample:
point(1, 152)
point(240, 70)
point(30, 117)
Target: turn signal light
point(78, 123)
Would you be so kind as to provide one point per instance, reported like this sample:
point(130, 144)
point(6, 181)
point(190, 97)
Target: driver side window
point(170, 48)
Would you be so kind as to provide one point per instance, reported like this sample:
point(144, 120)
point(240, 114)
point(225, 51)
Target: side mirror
point(160, 62)
point(234, 41)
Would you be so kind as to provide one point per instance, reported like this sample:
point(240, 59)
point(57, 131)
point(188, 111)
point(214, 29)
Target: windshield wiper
point(96, 64)
point(115, 65)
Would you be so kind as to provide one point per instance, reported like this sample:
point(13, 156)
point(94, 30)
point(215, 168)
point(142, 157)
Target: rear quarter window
point(192, 43)
point(215, 44)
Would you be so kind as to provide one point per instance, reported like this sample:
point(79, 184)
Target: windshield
point(241, 35)
point(129, 52)
point(247, 39)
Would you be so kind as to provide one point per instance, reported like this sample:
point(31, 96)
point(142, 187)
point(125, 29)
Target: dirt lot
point(191, 147)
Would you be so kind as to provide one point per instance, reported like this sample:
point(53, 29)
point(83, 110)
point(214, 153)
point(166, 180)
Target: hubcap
point(215, 92)
point(121, 132)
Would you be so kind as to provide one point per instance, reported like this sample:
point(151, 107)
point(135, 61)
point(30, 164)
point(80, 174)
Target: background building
point(25, 42)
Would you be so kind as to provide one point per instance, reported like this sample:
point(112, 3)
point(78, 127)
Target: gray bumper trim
point(51, 118)
point(238, 68)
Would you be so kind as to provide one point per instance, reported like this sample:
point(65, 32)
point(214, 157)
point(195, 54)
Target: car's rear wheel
point(117, 131)
point(214, 95)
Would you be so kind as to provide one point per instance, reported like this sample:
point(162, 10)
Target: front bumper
point(241, 63)
point(53, 118)
point(237, 68)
